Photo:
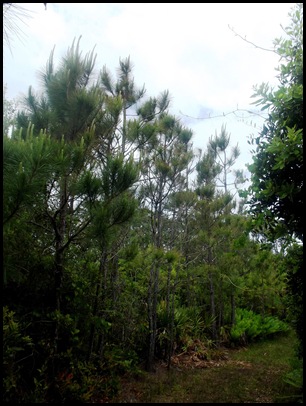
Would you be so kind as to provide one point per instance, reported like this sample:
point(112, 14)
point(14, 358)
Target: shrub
point(250, 326)
point(17, 348)
point(188, 325)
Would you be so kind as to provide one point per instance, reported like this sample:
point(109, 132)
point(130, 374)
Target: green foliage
point(85, 383)
point(293, 266)
point(250, 326)
point(276, 193)
point(89, 271)
point(76, 381)
point(295, 377)
point(188, 324)
point(118, 360)
point(67, 326)
point(118, 176)
point(70, 97)
point(27, 166)
point(17, 348)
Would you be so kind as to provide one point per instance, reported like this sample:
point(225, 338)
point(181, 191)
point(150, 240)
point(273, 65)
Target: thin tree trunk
point(100, 313)
point(58, 276)
point(92, 328)
point(59, 257)
point(151, 346)
point(168, 327)
point(124, 126)
point(96, 303)
point(212, 306)
point(172, 324)
point(221, 307)
point(233, 309)
point(154, 309)
point(153, 285)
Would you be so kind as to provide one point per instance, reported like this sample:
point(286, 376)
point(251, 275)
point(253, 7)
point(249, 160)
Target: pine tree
point(125, 89)
point(164, 160)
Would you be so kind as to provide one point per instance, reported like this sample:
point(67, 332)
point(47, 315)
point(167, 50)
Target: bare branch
point(252, 113)
point(249, 42)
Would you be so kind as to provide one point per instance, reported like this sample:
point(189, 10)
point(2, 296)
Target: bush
point(17, 348)
point(250, 326)
point(188, 324)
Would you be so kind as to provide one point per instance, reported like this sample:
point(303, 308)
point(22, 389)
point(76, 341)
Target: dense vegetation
point(122, 246)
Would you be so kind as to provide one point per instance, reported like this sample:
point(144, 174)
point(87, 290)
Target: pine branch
point(73, 236)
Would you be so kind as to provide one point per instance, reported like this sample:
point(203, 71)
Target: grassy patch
point(250, 375)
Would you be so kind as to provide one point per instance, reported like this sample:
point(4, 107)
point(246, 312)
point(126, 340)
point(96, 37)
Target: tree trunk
point(168, 326)
point(212, 306)
point(151, 320)
point(58, 276)
point(96, 303)
point(59, 256)
point(153, 284)
point(171, 333)
point(221, 307)
point(233, 309)
point(124, 127)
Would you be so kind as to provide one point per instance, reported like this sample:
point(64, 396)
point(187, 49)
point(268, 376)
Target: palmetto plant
point(188, 323)
point(250, 326)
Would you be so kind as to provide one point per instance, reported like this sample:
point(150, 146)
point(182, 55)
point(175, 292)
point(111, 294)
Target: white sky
point(186, 48)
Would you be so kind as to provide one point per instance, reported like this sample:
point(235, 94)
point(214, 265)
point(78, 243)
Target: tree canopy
point(277, 189)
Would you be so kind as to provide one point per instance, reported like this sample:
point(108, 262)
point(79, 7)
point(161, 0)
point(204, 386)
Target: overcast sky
point(186, 48)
